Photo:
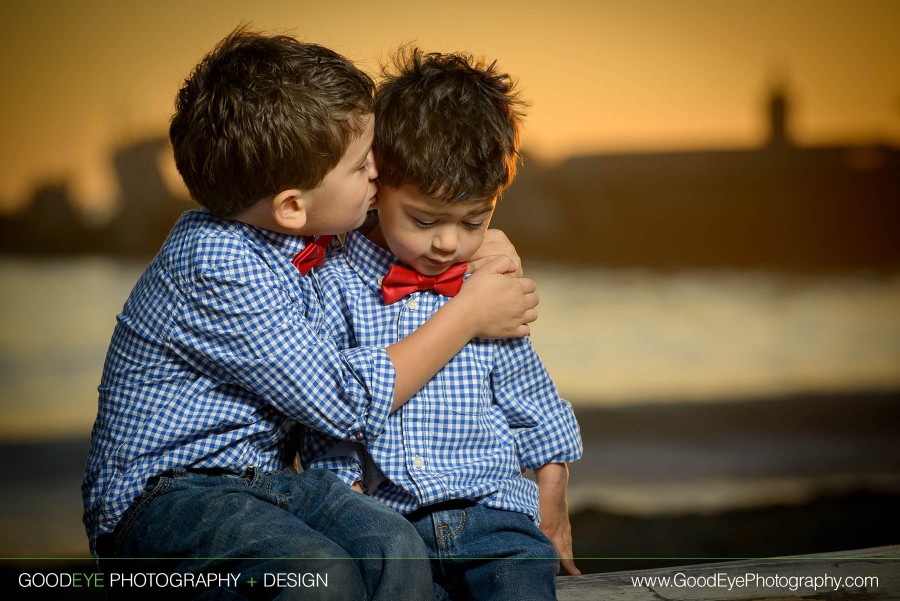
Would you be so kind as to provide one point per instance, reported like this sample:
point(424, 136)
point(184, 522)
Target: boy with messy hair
point(452, 459)
point(220, 350)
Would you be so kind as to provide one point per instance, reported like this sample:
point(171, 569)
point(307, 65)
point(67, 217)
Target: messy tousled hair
point(261, 114)
point(447, 124)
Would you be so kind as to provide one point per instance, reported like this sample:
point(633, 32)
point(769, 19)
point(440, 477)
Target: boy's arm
point(240, 326)
point(544, 424)
point(552, 480)
point(547, 435)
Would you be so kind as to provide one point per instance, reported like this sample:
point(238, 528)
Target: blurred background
point(709, 201)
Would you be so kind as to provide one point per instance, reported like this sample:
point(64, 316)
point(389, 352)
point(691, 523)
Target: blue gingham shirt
point(491, 411)
point(216, 354)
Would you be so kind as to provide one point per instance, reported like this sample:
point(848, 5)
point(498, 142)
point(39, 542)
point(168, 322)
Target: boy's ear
point(288, 209)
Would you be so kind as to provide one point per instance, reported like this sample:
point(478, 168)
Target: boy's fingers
point(566, 560)
point(568, 566)
point(562, 543)
point(501, 264)
point(520, 332)
point(493, 264)
point(475, 265)
point(528, 285)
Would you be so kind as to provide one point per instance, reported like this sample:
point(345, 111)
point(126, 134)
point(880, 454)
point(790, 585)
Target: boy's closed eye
point(424, 224)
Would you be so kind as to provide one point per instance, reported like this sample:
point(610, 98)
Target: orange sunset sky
point(80, 78)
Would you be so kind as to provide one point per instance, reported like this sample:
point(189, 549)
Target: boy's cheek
point(474, 247)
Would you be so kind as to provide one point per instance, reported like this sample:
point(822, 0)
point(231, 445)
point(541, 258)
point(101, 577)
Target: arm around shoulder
point(242, 325)
point(491, 304)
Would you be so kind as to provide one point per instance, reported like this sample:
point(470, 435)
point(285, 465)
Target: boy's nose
point(445, 239)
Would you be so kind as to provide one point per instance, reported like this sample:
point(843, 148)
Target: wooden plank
point(875, 575)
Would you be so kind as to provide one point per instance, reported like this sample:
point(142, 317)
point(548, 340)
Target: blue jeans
point(288, 535)
point(479, 553)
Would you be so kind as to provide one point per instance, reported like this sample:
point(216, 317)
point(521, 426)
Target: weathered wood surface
point(709, 582)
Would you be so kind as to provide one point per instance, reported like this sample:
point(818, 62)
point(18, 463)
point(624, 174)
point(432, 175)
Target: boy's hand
point(357, 487)
point(553, 479)
point(495, 243)
point(499, 304)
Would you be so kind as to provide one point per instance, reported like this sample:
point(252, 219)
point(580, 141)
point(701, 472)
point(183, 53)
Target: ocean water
point(56, 319)
point(607, 337)
point(620, 337)
point(697, 391)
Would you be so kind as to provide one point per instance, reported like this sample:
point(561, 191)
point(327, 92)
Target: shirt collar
point(368, 260)
point(284, 244)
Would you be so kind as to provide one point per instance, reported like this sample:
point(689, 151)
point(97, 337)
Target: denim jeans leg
point(257, 526)
point(391, 556)
point(479, 553)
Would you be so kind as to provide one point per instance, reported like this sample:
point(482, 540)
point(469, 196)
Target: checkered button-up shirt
point(468, 433)
point(216, 355)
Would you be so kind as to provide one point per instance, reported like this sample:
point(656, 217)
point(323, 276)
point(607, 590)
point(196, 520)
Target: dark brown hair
point(261, 114)
point(448, 124)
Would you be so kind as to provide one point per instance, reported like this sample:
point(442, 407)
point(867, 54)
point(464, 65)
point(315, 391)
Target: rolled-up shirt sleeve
point(544, 424)
point(346, 467)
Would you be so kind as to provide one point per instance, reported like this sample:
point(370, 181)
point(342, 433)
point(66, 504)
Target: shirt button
point(418, 462)
point(412, 304)
point(380, 280)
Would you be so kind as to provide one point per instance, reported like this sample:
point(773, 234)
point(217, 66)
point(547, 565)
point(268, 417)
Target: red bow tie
point(402, 281)
point(312, 255)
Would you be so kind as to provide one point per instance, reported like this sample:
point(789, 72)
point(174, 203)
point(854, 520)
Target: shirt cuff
point(371, 388)
point(557, 440)
point(347, 469)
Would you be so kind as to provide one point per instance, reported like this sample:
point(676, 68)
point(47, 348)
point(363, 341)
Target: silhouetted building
point(49, 226)
point(147, 210)
point(776, 207)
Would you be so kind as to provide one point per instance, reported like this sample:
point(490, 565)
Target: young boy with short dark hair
point(219, 351)
point(451, 459)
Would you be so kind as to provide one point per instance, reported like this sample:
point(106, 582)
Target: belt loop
point(250, 473)
point(179, 473)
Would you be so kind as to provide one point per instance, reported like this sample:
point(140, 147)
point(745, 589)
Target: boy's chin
point(430, 269)
point(358, 223)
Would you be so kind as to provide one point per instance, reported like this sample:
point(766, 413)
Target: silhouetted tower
point(148, 208)
point(778, 116)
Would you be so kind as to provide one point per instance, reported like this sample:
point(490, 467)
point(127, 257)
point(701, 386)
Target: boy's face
point(340, 203)
point(427, 234)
